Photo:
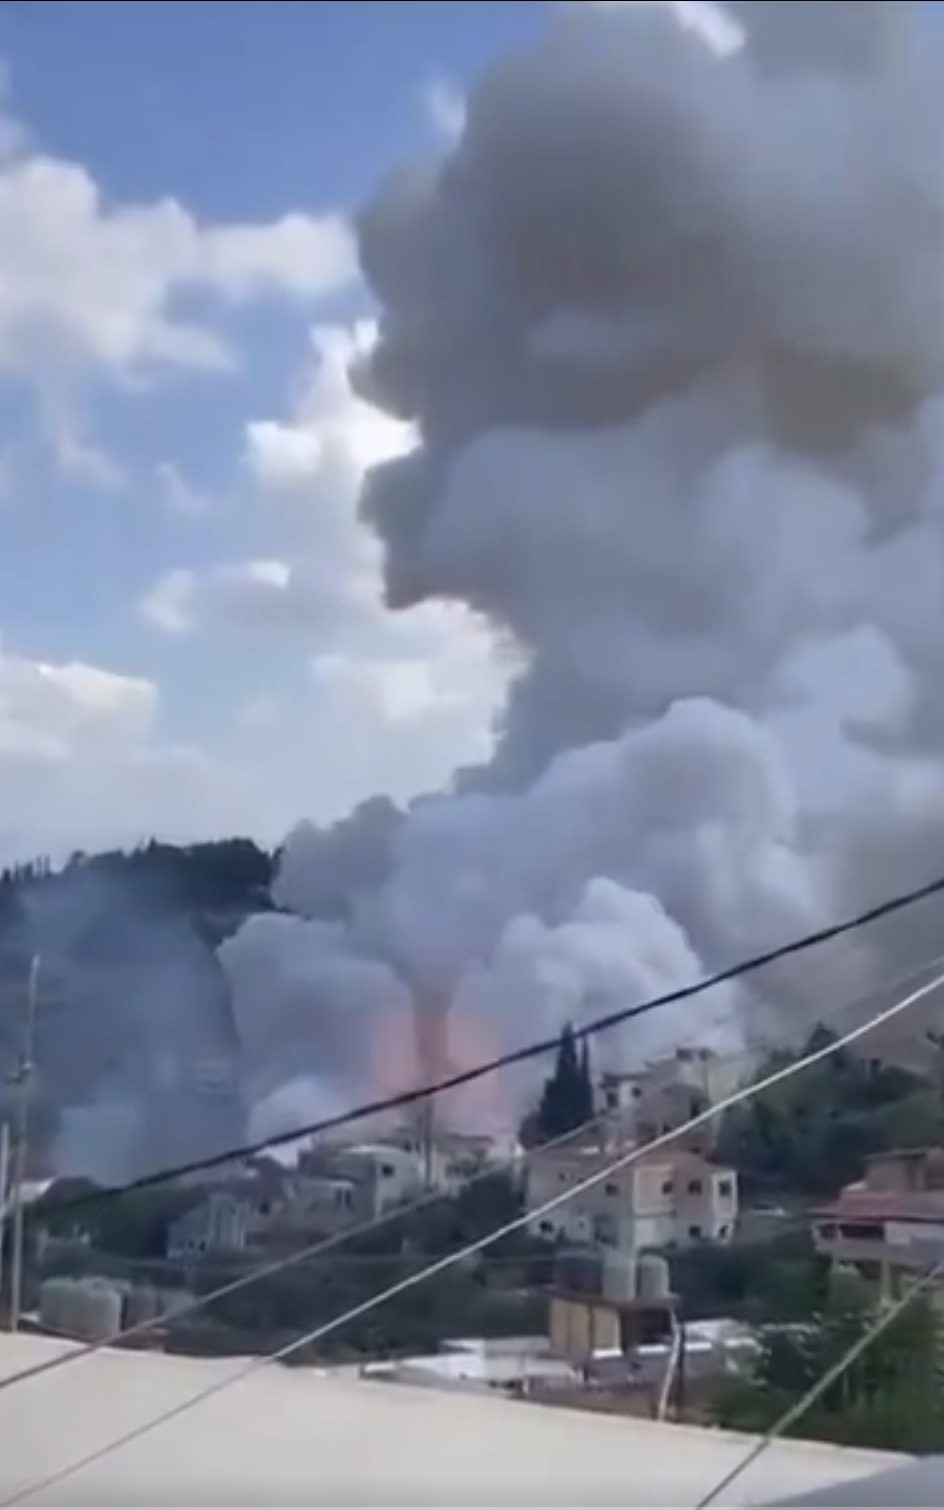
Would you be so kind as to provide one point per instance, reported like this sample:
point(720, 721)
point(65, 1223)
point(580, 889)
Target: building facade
point(643, 1104)
point(667, 1200)
point(890, 1225)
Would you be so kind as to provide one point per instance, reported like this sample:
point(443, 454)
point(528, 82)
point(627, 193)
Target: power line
point(825, 1380)
point(469, 1250)
point(326, 1246)
point(513, 1057)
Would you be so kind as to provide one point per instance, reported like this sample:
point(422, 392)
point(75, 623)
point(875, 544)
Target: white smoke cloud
point(657, 390)
point(668, 324)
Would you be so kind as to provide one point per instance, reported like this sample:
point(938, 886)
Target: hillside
point(136, 1050)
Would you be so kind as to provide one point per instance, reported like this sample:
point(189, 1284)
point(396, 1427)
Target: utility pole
point(4, 1191)
point(23, 1082)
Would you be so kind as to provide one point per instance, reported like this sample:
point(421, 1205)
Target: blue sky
point(179, 455)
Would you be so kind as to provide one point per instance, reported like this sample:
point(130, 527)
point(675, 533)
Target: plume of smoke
point(138, 1061)
point(668, 321)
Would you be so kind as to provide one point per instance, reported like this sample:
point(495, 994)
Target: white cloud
point(406, 696)
point(445, 106)
point(80, 458)
point(178, 494)
point(82, 763)
point(260, 593)
point(84, 281)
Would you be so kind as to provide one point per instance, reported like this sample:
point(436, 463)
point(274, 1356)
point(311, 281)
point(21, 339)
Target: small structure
point(890, 1224)
point(219, 1224)
point(646, 1103)
point(603, 1302)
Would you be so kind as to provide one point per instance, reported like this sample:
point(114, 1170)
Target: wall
point(578, 1328)
point(646, 1205)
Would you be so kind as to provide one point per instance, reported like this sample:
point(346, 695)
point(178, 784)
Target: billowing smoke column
point(669, 321)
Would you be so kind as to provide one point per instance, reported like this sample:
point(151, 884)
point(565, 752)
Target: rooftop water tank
point(653, 1280)
point(619, 1276)
point(99, 1311)
point(142, 1305)
point(579, 1271)
point(54, 1303)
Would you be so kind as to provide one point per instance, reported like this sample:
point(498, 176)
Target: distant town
point(655, 1290)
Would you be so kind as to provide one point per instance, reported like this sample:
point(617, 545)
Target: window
point(387, 1171)
point(666, 1187)
point(637, 1092)
point(694, 1187)
point(726, 1188)
point(611, 1189)
point(612, 1100)
point(724, 1231)
point(694, 1231)
point(546, 1227)
point(264, 1208)
point(562, 1177)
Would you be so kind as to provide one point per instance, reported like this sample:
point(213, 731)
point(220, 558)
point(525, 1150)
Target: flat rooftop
point(301, 1436)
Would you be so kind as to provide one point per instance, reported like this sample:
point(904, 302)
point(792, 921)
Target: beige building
point(643, 1104)
point(667, 1199)
point(890, 1224)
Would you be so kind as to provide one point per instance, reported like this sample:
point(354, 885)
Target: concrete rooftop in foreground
point(293, 1436)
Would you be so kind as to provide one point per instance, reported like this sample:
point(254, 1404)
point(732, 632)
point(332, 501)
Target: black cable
point(503, 1061)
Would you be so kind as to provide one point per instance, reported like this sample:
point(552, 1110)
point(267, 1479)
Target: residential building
point(668, 1199)
point(891, 1223)
point(646, 1103)
point(220, 1223)
point(384, 1175)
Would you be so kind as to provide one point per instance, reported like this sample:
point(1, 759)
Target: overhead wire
point(328, 1245)
point(513, 1057)
point(469, 1250)
point(882, 1321)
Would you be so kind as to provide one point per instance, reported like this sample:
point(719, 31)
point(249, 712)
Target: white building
point(669, 1199)
point(218, 1224)
point(643, 1104)
point(385, 1176)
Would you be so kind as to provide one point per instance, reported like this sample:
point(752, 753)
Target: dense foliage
point(810, 1134)
point(890, 1397)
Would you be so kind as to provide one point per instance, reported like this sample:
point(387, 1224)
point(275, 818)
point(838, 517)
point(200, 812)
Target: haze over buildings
point(659, 364)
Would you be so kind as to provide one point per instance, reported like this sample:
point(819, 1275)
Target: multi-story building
point(890, 1224)
point(217, 1224)
point(669, 1199)
point(657, 1098)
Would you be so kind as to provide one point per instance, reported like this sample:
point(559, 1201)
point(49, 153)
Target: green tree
point(567, 1099)
point(889, 1398)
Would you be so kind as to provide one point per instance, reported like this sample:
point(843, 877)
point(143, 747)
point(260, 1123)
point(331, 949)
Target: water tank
point(579, 1271)
point(174, 1300)
point(100, 1310)
point(54, 1297)
point(142, 1304)
point(653, 1281)
point(619, 1276)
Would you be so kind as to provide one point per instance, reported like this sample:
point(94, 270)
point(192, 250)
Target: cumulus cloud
point(83, 762)
point(85, 282)
point(409, 696)
point(445, 106)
